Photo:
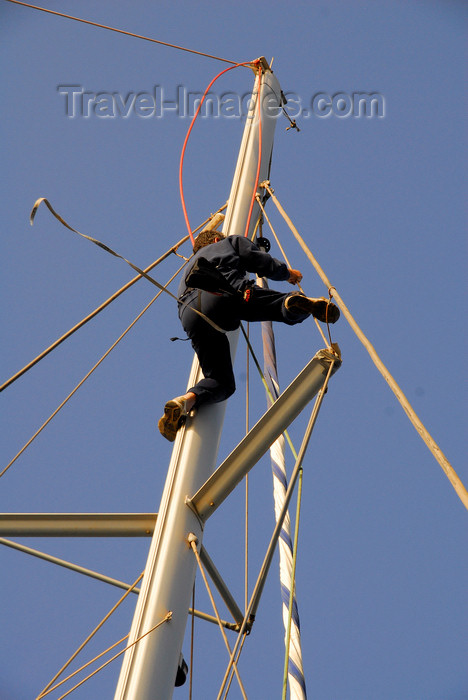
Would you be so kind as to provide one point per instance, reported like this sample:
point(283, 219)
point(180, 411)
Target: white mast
point(149, 667)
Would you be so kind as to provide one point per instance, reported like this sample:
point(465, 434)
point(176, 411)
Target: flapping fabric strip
point(112, 252)
point(90, 316)
point(96, 242)
point(102, 306)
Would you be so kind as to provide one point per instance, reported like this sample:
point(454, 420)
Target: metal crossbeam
point(257, 441)
point(223, 590)
point(77, 524)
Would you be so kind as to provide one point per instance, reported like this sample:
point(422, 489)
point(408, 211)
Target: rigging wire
point(105, 247)
point(193, 543)
point(166, 618)
point(192, 641)
point(85, 378)
point(265, 384)
point(238, 655)
point(410, 412)
point(48, 688)
point(96, 242)
point(121, 31)
point(66, 564)
point(82, 668)
point(246, 525)
point(275, 235)
point(102, 306)
point(258, 589)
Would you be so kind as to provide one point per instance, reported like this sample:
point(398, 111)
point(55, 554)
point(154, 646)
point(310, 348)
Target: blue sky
point(382, 573)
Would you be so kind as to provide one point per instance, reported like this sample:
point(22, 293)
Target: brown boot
point(321, 309)
point(175, 415)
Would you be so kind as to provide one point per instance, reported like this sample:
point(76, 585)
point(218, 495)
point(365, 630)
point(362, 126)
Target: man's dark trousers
point(212, 346)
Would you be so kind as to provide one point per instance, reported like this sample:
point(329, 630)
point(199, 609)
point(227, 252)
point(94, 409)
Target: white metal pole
point(149, 667)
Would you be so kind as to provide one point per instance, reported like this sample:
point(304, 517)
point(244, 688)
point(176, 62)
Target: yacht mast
point(149, 667)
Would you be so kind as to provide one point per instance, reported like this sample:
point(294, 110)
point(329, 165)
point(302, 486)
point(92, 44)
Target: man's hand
point(294, 276)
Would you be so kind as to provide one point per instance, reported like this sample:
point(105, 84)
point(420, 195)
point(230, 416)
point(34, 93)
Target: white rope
point(277, 451)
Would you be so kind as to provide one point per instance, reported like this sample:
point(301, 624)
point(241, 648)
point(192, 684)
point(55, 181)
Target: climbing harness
point(204, 275)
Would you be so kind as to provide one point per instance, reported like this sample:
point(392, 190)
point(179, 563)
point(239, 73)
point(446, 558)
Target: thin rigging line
point(192, 641)
point(265, 384)
point(319, 328)
point(165, 619)
point(66, 564)
point(193, 543)
point(258, 590)
point(48, 688)
point(121, 31)
point(241, 647)
point(121, 257)
point(410, 412)
point(103, 306)
point(246, 533)
point(85, 377)
point(82, 668)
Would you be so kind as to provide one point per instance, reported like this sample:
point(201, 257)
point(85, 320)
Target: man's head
point(206, 238)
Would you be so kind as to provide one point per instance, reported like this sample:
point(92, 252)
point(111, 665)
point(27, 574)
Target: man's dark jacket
point(234, 256)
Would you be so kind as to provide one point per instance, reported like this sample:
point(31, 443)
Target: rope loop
point(184, 146)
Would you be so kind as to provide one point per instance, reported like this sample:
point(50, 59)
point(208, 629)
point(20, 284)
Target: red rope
point(181, 187)
point(259, 111)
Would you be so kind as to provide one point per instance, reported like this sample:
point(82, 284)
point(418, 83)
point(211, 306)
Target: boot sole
point(172, 420)
point(320, 309)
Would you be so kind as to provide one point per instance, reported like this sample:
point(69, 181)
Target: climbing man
point(220, 264)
